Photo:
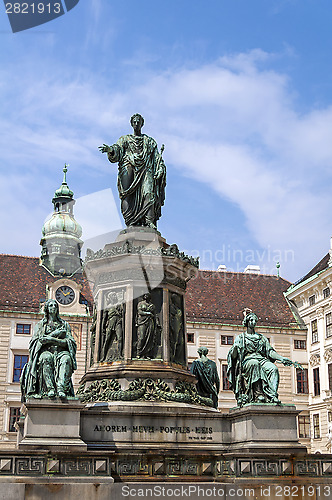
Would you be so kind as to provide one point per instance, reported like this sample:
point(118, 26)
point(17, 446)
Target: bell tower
point(61, 243)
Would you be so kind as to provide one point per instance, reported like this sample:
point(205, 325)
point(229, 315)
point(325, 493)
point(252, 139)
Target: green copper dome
point(62, 222)
point(63, 191)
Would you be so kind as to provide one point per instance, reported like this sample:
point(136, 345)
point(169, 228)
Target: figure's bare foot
point(61, 395)
point(51, 393)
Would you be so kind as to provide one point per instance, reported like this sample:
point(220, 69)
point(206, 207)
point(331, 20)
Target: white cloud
point(232, 125)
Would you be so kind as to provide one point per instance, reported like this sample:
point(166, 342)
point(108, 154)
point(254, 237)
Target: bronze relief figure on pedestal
point(112, 330)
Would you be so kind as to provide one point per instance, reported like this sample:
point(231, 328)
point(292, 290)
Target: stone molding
point(320, 313)
point(102, 465)
point(128, 248)
point(112, 277)
point(328, 355)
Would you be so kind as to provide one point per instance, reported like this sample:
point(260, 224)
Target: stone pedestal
point(186, 428)
point(139, 262)
point(53, 425)
point(264, 428)
point(170, 428)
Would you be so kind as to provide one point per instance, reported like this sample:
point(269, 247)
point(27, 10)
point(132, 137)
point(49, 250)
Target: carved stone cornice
point(314, 359)
point(128, 248)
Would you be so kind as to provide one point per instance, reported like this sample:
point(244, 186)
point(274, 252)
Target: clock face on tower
point(65, 295)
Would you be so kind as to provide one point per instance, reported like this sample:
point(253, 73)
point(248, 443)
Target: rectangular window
point(19, 361)
point(326, 293)
point(225, 382)
point(314, 331)
point(316, 426)
point(329, 367)
point(316, 382)
point(56, 248)
point(76, 330)
point(23, 329)
point(312, 300)
point(304, 426)
point(14, 416)
point(191, 338)
point(302, 381)
point(328, 322)
point(227, 340)
point(300, 344)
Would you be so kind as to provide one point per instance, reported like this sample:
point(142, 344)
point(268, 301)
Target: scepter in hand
point(158, 171)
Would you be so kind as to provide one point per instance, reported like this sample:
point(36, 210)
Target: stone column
point(98, 328)
point(128, 334)
point(165, 333)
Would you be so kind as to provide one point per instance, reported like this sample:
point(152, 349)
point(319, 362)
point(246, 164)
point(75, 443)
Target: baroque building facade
point(312, 297)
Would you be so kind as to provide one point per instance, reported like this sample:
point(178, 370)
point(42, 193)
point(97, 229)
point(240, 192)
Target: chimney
point(250, 269)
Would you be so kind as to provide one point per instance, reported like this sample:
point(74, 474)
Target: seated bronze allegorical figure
point(52, 358)
point(252, 373)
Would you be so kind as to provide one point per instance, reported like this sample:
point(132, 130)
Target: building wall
point(319, 349)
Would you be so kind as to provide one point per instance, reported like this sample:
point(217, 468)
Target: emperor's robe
point(141, 177)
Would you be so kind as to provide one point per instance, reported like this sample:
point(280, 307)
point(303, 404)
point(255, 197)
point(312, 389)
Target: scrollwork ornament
point(314, 359)
point(328, 355)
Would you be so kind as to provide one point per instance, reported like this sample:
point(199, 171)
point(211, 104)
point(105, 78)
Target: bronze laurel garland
point(140, 389)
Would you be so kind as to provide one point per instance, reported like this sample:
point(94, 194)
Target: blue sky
point(239, 91)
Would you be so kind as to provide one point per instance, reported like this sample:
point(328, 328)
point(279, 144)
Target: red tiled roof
point(23, 283)
point(221, 297)
point(214, 297)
